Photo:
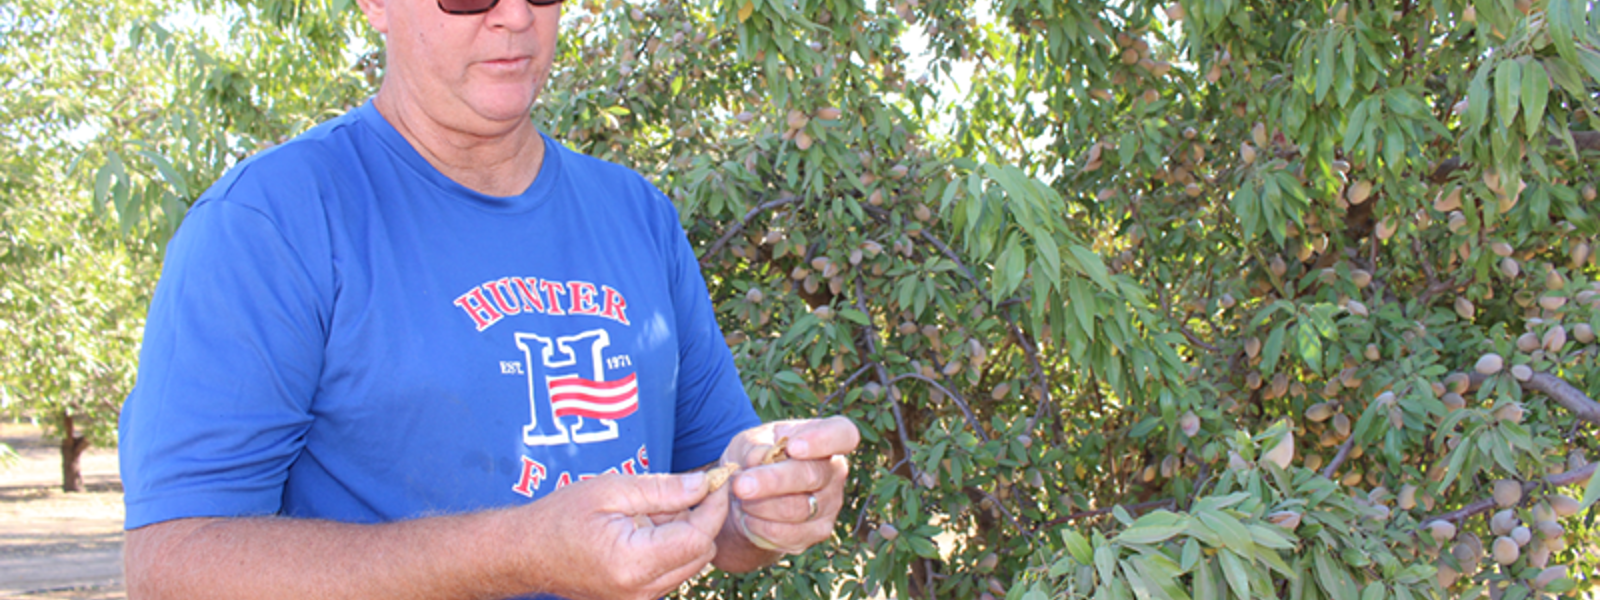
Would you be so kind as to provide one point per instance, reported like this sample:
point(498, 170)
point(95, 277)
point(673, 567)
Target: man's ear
point(377, 12)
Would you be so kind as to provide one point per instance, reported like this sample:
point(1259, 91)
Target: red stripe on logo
point(579, 397)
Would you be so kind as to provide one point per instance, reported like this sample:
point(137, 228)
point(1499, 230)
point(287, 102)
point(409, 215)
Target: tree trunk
point(72, 447)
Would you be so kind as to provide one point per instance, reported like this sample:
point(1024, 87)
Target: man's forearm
point(462, 556)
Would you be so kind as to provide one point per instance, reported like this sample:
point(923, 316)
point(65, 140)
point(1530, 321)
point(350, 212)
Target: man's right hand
point(591, 545)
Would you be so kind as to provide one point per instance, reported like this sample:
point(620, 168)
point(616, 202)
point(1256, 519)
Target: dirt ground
point(54, 545)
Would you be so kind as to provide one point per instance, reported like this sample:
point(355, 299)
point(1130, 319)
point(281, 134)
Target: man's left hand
point(789, 505)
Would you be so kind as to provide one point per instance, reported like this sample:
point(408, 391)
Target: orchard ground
point(55, 545)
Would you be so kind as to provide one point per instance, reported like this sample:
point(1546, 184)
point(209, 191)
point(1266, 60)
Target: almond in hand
point(719, 476)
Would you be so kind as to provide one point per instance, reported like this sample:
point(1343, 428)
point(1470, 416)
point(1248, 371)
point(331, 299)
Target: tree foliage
point(1131, 299)
point(72, 293)
point(113, 121)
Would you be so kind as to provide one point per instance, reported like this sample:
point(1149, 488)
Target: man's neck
point(503, 163)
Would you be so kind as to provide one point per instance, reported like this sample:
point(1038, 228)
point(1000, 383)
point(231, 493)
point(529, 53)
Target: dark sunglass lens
point(466, 7)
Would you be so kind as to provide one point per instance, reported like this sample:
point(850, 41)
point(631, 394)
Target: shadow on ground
point(55, 545)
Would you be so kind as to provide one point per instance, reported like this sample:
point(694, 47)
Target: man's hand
point(613, 536)
point(788, 505)
point(627, 537)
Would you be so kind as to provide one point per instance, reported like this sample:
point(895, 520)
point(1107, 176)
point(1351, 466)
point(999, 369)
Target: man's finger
point(791, 538)
point(818, 438)
point(687, 543)
point(787, 477)
point(668, 582)
point(708, 517)
point(671, 548)
point(651, 494)
point(793, 508)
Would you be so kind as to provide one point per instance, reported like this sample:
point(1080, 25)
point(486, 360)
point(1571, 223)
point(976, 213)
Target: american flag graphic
point(574, 396)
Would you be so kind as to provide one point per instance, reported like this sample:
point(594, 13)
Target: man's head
point(478, 73)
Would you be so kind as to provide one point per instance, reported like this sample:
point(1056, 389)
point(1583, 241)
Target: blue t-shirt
point(342, 332)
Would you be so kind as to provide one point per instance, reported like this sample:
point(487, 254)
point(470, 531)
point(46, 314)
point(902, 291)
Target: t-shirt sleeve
point(231, 358)
point(712, 403)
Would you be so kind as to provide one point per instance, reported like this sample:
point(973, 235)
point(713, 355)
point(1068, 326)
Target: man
point(375, 346)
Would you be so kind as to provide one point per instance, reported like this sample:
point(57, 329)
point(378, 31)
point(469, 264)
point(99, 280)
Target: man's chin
point(503, 111)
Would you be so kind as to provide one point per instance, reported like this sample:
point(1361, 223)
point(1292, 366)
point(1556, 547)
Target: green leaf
point(1233, 569)
point(1394, 147)
point(1012, 265)
point(1478, 100)
point(1308, 346)
point(855, 316)
point(790, 377)
point(1270, 536)
point(1161, 574)
point(1144, 587)
point(923, 546)
point(1121, 514)
point(1078, 546)
point(1191, 554)
point(1565, 75)
point(1356, 126)
point(1149, 534)
point(1325, 64)
point(1062, 566)
point(1045, 245)
point(1591, 493)
point(1535, 92)
point(1247, 208)
point(1084, 306)
point(1334, 580)
point(1558, 16)
point(102, 186)
point(1561, 586)
point(1090, 265)
point(1105, 562)
point(1507, 90)
point(1374, 591)
point(1215, 503)
point(1233, 533)
point(1272, 350)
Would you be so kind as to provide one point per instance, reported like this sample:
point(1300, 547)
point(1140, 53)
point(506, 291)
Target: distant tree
point(111, 124)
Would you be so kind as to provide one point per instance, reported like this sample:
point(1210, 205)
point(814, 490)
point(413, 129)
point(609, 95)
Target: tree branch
point(883, 377)
point(961, 266)
point(1563, 393)
point(1339, 458)
point(1022, 337)
point(1002, 508)
point(1581, 405)
point(1572, 398)
point(1189, 335)
point(843, 386)
point(1568, 478)
point(740, 225)
point(972, 420)
point(861, 515)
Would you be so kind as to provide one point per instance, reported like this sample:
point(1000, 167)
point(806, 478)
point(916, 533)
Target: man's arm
point(580, 542)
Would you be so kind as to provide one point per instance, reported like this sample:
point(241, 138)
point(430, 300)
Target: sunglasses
point(476, 7)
